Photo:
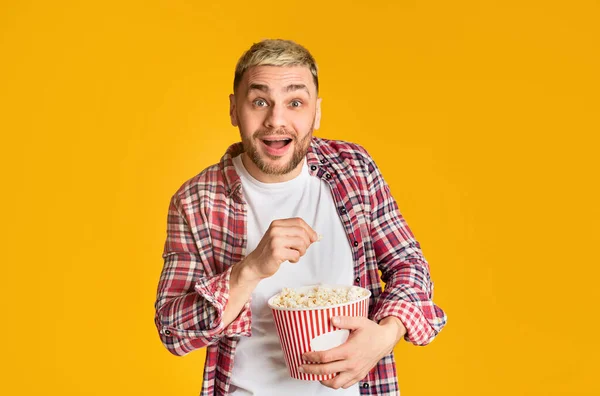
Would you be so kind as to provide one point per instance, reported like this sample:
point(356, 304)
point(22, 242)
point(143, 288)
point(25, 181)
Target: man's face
point(276, 109)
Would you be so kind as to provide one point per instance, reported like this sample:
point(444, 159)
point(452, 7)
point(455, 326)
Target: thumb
point(349, 322)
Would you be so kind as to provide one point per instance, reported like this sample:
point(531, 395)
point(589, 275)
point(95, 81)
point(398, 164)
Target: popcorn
point(318, 296)
point(303, 320)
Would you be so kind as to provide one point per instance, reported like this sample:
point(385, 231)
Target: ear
point(317, 123)
point(232, 112)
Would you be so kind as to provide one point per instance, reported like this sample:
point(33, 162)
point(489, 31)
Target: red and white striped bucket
point(299, 328)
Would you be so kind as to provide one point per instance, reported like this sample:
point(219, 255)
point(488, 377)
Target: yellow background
point(482, 115)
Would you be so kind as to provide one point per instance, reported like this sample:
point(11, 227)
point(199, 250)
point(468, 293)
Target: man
point(245, 228)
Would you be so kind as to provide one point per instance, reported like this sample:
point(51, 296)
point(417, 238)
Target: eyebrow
point(289, 88)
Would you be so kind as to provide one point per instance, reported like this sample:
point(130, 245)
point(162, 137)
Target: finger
point(290, 231)
point(281, 243)
point(309, 231)
point(350, 322)
point(330, 355)
point(299, 222)
point(289, 251)
point(291, 255)
point(350, 383)
point(338, 381)
point(292, 243)
point(324, 369)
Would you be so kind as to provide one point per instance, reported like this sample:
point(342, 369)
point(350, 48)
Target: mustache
point(274, 132)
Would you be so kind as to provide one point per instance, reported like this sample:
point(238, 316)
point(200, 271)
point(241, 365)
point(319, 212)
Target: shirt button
point(357, 280)
point(355, 243)
point(313, 167)
point(167, 332)
point(342, 210)
point(365, 386)
point(323, 161)
point(328, 175)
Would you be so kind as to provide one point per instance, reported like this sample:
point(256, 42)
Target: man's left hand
point(367, 344)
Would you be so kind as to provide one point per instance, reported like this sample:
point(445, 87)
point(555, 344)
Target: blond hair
point(275, 52)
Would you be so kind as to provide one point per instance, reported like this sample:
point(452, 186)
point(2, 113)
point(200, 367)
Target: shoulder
point(343, 153)
point(205, 186)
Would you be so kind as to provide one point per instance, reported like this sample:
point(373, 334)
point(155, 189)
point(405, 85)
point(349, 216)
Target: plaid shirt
point(206, 236)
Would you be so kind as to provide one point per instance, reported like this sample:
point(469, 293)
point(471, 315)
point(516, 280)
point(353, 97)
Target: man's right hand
point(285, 240)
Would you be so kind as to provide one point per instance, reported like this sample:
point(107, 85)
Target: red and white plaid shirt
point(206, 236)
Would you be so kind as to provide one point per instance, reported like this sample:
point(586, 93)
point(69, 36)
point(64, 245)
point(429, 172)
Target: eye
point(259, 102)
point(295, 103)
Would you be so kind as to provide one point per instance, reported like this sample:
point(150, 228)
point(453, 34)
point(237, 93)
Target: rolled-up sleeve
point(191, 297)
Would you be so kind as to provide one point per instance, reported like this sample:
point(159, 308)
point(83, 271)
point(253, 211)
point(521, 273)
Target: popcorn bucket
point(302, 330)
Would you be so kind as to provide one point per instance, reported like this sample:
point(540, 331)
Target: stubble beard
point(269, 168)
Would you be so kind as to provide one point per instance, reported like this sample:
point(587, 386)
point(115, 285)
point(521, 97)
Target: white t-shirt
point(259, 367)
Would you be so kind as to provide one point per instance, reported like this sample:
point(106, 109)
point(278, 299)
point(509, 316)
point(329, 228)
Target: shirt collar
point(314, 159)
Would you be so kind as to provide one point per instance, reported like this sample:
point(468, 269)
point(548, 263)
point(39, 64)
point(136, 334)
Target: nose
point(276, 117)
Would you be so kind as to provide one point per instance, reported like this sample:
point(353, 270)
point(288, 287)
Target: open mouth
point(278, 143)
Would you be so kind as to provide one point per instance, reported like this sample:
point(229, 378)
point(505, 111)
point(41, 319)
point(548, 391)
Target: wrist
point(242, 275)
point(395, 326)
